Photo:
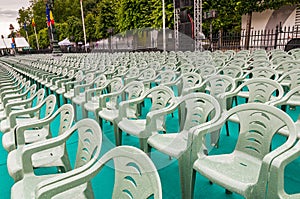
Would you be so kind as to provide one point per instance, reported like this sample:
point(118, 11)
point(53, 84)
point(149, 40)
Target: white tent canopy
point(5, 43)
point(20, 43)
point(65, 42)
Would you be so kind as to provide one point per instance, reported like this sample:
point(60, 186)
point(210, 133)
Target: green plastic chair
point(28, 115)
point(162, 97)
point(135, 177)
point(89, 146)
point(187, 80)
point(109, 104)
point(201, 110)
point(245, 170)
point(276, 180)
point(40, 131)
point(11, 102)
point(8, 142)
point(291, 98)
point(80, 92)
point(91, 103)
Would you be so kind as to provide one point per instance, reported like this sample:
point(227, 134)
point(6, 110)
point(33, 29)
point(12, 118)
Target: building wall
point(269, 19)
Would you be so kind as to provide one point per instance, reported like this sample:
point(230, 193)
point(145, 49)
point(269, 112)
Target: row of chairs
point(32, 143)
point(158, 124)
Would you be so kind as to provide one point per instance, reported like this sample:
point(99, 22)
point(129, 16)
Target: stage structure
point(184, 23)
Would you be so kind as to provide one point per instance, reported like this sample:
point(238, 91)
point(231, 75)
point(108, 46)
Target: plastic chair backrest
point(198, 107)
point(89, 141)
point(258, 124)
point(161, 96)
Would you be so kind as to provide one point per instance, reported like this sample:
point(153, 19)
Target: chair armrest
point(77, 88)
point(153, 116)
point(9, 105)
point(276, 179)
point(9, 92)
point(69, 85)
point(60, 82)
point(104, 97)
point(63, 182)
point(123, 106)
point(19, 131)
point(93, 92)
point(13, 116)
point(29, 150)
point(21, 96)
point(195, 135)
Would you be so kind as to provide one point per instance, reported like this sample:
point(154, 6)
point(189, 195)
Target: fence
point(278, 38)
point(152, 39)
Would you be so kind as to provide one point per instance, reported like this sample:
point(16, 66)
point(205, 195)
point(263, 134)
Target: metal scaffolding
point(176, 26)
point(198, 24)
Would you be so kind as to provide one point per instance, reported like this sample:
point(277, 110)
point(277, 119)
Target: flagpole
point(36, 38)
point(27, 36)
point(83, 25)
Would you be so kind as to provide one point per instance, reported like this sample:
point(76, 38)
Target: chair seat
point(46, 158)
point(80, 99)
point(53, 87)
point(133, 127)
point(108, 114)
point(69, 94)
point(3, 113)
point(35, 135)
point(172, 144)
point(236, 172)
point(25, 119)
point(18, 189)
point(91, 106)
point(60, 91)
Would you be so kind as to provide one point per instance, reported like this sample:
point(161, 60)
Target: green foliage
point(43, 38)
point(122, 15)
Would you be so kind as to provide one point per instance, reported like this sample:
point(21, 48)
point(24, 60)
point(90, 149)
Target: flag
point(33, 22)
point(48, 15)
point(51, 18)
point(25, 27)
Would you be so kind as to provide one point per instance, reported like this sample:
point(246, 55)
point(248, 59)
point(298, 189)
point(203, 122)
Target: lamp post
point(53, 35)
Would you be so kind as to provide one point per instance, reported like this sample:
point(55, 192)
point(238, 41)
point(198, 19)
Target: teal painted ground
point(168, 169)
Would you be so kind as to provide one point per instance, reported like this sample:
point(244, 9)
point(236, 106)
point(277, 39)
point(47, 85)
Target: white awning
point(65, 42)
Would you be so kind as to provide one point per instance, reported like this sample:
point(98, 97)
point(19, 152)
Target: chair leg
point(118, 136)
point(64, 100)
point(227, 128)
point(58, 100)
point(187, 176)
point(84, 112)
point(144, 145)
point(67, 166)
point(75, 111)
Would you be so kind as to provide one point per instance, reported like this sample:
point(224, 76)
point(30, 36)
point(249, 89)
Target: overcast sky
point(9, 13)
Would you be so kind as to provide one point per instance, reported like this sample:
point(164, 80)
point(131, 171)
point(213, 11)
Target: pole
point(36, 38)
point(164, 24)
point(83, 25)
point(201, 21)
point(27, 36)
